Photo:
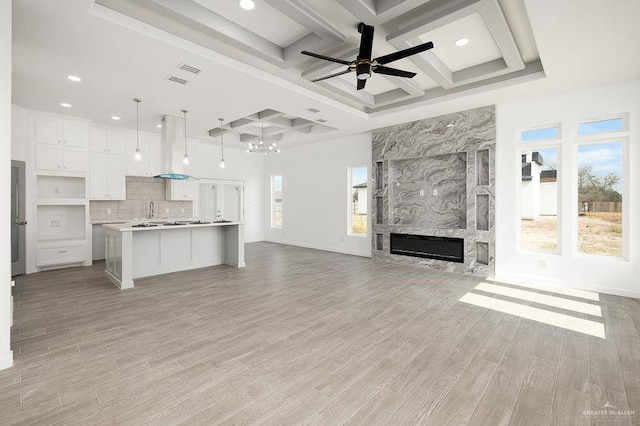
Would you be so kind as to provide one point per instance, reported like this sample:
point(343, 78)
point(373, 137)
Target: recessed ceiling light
point(65, 105)
point(115, 117)
point(159, 126)
point(74, 78)
point(247, 4)
point(462, 42)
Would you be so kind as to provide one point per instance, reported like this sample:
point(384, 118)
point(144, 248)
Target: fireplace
point(440, 248)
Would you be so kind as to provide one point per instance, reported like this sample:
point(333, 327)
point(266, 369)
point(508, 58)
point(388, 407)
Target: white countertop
point(106, 221)
point(124, 227)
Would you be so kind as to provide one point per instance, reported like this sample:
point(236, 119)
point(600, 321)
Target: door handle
point(22, 222)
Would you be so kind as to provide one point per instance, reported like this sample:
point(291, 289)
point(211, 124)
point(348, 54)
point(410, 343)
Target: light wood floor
point(305, 336)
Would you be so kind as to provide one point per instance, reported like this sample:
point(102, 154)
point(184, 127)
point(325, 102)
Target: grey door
point(18, 222)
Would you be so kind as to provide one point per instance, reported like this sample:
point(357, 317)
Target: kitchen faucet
point(151, 209)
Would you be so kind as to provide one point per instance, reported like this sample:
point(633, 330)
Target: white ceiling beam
point(499, 28)
point(364, 10)
point(303, 14)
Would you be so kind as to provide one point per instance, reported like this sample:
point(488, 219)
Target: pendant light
point(222, 165)
point(185, 160)
point(138, 154)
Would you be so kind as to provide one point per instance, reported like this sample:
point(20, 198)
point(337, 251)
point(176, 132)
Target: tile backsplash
point(141, 191)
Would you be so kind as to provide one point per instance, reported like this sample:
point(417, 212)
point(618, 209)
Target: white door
point(74, 159)
point(47, 157)
point(232, 202)
point(116, 180)
point(154, 147)
point(48, 130)
point(98, 179)
point(116, 141)
point(209, 209)
point(74, 134)
point(98, 139)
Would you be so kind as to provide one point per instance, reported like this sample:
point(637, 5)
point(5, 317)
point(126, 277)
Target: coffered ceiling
point(250, 61)
point(501, 49)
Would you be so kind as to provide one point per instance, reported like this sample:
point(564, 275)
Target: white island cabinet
point(132, 252)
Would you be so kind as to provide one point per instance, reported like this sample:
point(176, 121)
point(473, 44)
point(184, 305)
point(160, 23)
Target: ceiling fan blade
point(332, 75)
point(394, 72)
point(361, 84)
point(366, 41)
point(326, 58)
point(404, 53)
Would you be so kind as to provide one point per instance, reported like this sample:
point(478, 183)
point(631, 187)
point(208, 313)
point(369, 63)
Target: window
point(358, 201)
point(601, 126)
point(542, 133)
point(539, 191)
point(600, 175)
point(276, 201)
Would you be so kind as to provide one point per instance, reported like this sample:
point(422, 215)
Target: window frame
point(273, 200)
point(350, 201)
point(537, 145)
point(623, 137)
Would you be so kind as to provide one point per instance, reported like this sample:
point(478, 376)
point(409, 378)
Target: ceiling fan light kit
point(364, 65)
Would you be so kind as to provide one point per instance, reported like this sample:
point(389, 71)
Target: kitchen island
point(134, 251)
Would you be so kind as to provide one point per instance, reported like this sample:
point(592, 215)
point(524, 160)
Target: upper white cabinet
point(149, 165)
point(107, 175)
point(107, 140)
point(181, 190)
point(107, 178)
point(61, 145)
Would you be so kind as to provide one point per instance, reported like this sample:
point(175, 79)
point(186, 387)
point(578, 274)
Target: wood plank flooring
point(303, 336)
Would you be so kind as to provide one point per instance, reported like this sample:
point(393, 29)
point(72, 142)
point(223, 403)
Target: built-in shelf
point(57, 222)
point(482, 212)
point(379, 210)
point(482, 167)
point(379, 175)
point(61, 187)
point(482, 253)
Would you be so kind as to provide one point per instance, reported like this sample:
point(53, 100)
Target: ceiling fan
point(363, 65)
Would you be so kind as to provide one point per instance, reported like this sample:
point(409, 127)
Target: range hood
point(172, 148)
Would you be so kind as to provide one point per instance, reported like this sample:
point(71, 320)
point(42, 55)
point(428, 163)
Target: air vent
point(321, 120)
point(313, 110)
point(177, 79)
point(189, 68)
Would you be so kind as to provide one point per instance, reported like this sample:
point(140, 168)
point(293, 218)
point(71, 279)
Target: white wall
point(19, 133)
point(240, 166)
point(316, 194)
point(596, 273)
point(6, 356)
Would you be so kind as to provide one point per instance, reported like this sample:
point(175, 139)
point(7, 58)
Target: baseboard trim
point(317, 247)
point(6, 362)
point(525, 279)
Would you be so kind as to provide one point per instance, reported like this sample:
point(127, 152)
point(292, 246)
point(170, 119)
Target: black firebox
point(440, 248)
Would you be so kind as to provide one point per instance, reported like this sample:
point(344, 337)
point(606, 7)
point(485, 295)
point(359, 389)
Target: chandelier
point(262, 147)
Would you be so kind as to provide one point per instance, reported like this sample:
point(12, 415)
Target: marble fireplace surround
point(436, 177)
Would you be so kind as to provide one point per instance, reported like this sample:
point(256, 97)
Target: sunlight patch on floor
point(583, 294)
point(544, 299)
point(567, 322)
